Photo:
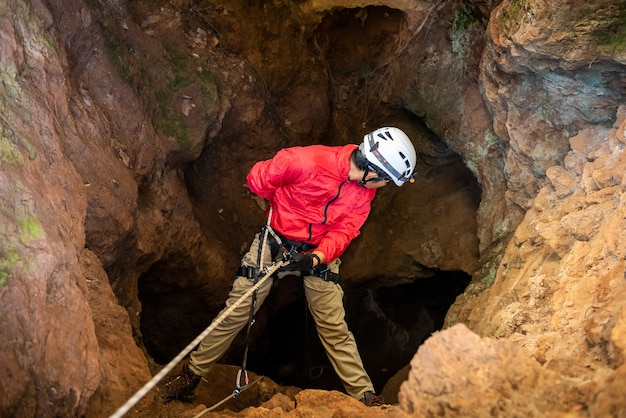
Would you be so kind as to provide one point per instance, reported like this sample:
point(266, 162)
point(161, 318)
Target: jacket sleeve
point(267, 176)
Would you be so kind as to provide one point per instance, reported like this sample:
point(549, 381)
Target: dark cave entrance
point(388, 323)
point(171, 316)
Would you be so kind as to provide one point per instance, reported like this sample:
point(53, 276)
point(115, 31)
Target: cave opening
point(389, 324)
point(171, 315)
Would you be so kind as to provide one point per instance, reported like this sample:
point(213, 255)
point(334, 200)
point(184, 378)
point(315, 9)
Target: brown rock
point(559, 290)
point(585, 224)
point(563, 181)
point(456, 373)
point(311, 403)
point(104, 107)
point(280, 401)
point(124, 365)
point(611, 398)
point(618, 338)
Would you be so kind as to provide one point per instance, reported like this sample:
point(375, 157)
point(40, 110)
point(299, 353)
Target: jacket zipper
point(326, 210)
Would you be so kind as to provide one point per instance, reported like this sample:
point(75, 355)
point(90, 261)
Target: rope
point(259, 262)
point(232, 395)
point(266, 273)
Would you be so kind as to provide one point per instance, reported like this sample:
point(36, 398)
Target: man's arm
point(267, 176)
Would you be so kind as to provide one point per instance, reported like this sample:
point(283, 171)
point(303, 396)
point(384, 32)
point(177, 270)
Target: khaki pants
point(325, 301)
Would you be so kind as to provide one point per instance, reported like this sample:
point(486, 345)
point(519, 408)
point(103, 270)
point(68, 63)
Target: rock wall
point(456, 373)
point(518, 86)
point(127, 128)
point(558, 301)
point(43, 286)
point(82, 167)
point(559, 286)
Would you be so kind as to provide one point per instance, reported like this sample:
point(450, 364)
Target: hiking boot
point(181, 387)
point(371, 399)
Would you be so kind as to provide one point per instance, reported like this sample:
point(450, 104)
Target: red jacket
point(311, 197)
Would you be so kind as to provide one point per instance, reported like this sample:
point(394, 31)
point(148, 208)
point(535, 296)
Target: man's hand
point(300, 262)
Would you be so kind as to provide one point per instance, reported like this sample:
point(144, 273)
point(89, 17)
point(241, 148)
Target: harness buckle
point(324, 273)
point(248, 272)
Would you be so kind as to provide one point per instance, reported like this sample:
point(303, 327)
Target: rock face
point(560, 290)
point(573, 73)
point(559, 287)
point(127, 129)
point(78, 170)
point(457, 373)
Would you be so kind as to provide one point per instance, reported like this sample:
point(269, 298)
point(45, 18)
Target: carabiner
point(237, 391)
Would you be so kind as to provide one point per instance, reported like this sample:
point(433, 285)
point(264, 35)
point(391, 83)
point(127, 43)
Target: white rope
point(263, 242)
point(267, 273)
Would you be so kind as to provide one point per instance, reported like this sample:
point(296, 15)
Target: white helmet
point(390, 150)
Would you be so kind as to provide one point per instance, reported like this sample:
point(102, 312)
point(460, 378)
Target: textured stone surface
point(549, 71)
point(128, 127)
point(560, 292)
point(78, 157)
point(458, 373)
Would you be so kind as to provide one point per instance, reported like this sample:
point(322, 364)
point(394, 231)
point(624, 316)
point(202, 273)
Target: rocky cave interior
point(284, 345)
point(492, 286)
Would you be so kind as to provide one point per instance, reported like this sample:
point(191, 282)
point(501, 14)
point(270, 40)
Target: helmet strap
point(365, 173)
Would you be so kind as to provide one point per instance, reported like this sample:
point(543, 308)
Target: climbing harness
point(285, 257)
point(286, 248)
point(323, 272)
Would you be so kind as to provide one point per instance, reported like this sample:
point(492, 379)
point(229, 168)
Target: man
point(319, 197)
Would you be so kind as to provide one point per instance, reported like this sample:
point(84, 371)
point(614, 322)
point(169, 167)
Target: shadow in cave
point(171, 317)
point(389, 324)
